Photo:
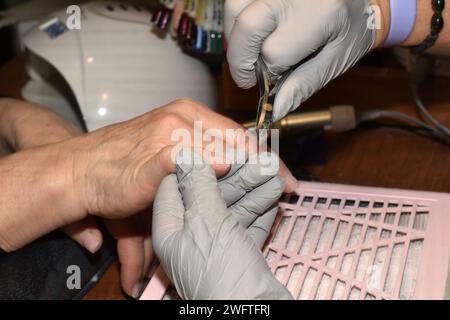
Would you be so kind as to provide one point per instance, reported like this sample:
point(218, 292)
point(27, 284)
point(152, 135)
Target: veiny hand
point(119, 168)
point(207, 253)
point(112, 173)
point(321, 39)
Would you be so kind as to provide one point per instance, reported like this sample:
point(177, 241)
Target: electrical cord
point(379, 114)
point(419, 74)
point(426, 114)
point(374, 115)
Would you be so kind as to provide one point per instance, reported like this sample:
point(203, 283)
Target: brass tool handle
point(336, 118)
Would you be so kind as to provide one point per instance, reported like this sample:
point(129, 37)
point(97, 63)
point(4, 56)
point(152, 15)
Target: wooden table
point(383, 157)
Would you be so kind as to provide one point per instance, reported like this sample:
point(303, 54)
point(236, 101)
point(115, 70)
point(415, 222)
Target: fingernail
point(91, 242)
point(137, 290)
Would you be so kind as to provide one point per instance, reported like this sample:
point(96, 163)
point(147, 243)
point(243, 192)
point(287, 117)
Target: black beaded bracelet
point(437, 24)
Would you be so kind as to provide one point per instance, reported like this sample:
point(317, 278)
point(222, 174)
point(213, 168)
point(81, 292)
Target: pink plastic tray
point(345, 242)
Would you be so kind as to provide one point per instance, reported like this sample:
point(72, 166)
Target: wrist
point(37, 195)
point(85, 155)
point(64, 184)
point(422, 27)
point(384, 22)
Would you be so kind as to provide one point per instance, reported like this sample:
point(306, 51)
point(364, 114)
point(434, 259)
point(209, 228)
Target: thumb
point(232, 10)
point(170, 205)
point(155, 169)
point(163, 164)
point(168, 215)
point(200, 190)
point(304, 81)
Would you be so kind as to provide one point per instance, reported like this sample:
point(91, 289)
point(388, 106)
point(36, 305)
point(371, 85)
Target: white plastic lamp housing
point(114, 65)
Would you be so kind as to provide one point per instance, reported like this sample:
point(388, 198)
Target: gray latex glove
point(252, 197)
point(326, 37)
point(206, 252)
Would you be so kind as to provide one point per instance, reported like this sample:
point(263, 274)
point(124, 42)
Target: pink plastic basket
point(345, 242)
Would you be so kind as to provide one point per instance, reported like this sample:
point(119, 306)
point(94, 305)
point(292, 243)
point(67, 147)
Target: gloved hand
point(204, 249)
point(321, 39)
point(252, 196)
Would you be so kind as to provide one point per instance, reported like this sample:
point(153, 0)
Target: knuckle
point(185, 104)
point(232, 7)
point(171, 120)
point(246, 22)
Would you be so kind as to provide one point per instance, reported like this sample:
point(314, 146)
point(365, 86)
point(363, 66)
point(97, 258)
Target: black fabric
point(39, 270)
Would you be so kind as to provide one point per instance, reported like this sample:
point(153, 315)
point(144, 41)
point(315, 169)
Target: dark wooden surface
point(383, 157)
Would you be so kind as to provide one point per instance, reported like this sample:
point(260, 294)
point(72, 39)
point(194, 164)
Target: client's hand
point(112, 173)
point(119, 168)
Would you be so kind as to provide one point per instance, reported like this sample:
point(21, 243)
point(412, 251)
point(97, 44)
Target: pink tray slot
point(346, 242)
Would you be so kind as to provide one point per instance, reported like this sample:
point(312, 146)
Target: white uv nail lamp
point(112, 68)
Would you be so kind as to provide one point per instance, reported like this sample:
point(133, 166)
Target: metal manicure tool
point(268, 89)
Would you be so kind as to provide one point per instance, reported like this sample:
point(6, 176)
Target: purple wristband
point(403, 19)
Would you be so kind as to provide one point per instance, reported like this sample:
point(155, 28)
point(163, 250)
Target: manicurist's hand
point(200, 236)
point(320, 39)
